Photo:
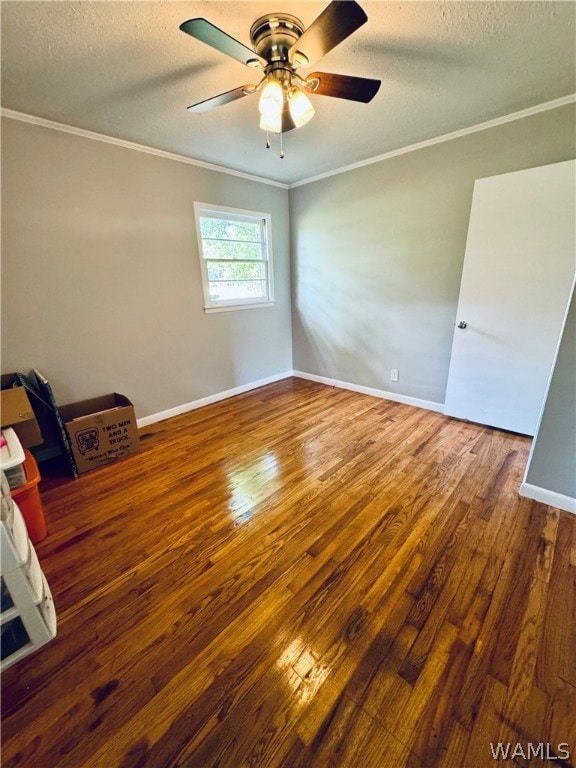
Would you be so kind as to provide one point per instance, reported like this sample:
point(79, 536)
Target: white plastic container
point(25, 584)
point(27, 614)
point(6, 500)
point(12, 458)
point(14, 542)
point(27, 626)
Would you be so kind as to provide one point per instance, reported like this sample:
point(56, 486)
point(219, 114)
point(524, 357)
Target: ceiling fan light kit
point(281, 44)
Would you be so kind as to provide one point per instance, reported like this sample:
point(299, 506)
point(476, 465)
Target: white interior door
point(518, 269)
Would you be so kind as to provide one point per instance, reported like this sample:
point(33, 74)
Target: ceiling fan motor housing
point(273, 35)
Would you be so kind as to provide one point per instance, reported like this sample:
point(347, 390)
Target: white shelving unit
point(28, 618)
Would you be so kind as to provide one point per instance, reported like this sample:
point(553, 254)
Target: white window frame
point(253, 217)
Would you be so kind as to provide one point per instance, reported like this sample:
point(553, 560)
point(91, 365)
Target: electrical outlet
point(394, 374)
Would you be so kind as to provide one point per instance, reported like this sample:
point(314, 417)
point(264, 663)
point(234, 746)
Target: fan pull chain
point(281, 144)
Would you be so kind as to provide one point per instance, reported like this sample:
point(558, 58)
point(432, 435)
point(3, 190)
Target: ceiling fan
point(281, 44)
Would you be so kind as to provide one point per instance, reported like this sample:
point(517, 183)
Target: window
point(235, 257)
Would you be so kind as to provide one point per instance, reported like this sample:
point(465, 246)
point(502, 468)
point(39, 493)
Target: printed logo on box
point(87, 440)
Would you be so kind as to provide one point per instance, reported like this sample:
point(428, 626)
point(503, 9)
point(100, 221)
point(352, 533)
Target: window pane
point(249, 289)
point(236, 256)
point(229, 230)
point(230, 270)
point(220, 249)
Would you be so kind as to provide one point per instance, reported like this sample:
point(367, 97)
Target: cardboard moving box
point(102, 430)
point(17, 413)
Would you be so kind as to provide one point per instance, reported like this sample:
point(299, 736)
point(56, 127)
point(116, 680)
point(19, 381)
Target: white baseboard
point(383, 394)
point(180, 409)
point(192, 406)
point(553, 499)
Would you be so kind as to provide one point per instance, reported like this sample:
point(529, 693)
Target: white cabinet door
point(518, 270)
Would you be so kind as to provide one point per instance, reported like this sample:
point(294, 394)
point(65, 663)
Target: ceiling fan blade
point(206, 32)
point(343, 86)
point(336, 22)
point(222, 98)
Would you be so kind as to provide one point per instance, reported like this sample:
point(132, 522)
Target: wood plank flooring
point(302, 576)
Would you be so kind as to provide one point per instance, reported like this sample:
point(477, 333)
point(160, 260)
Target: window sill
point(235, 307)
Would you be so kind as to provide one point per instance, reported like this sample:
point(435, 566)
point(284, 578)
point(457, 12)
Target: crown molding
point(545, 107)
point(41, 121)
point(538, 108)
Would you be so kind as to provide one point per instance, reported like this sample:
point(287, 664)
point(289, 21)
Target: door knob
point(462, 324)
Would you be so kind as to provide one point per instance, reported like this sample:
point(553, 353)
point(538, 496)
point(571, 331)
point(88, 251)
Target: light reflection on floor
point(246, 485)
point(302, 669)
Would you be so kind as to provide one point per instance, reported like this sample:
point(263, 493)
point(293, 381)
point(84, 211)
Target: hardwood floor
point(303, 576)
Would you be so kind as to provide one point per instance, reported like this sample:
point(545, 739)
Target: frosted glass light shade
point(301, 109)
point(271, 100)
point(272, 124)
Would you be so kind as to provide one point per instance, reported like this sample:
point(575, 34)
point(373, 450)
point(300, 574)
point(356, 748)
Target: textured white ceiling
point(124, 69)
